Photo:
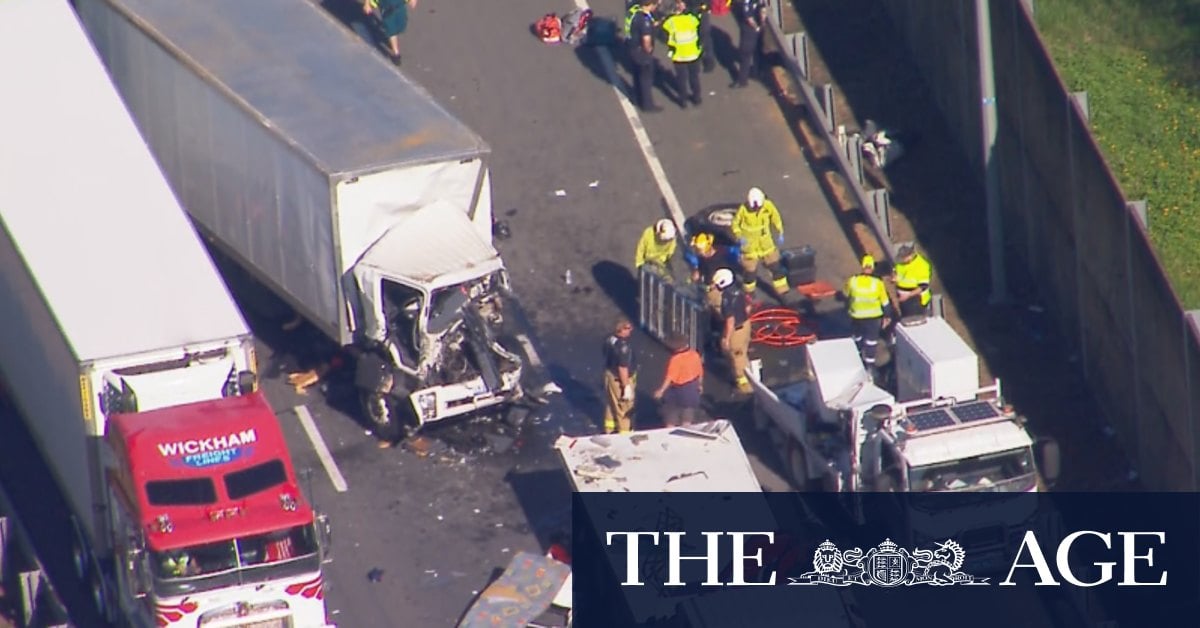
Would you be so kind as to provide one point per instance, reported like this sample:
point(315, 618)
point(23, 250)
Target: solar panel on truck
point(975, 411)
point(931, 419)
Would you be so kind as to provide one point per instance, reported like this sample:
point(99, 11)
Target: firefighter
point(866, 303)
point(706, 257)
point(912, 276)
point(620, 379)
point(753, 224)
point(656, 248)
point(735, 334)
point(684, 49)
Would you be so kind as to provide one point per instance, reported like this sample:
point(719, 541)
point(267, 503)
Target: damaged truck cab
point(338, 184)
point(435, 315)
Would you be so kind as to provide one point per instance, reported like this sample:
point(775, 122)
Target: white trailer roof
point(296, 69)
point(704, 458)
point(87, 206)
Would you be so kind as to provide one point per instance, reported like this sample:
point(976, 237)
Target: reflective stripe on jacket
point(683, 37)
point(755, 229)
point(912, 275)
point(866, 296)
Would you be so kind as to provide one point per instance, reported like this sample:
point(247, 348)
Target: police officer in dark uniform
point(751, 16)
point(620, 379)
point(702, 9)
point(641, 52)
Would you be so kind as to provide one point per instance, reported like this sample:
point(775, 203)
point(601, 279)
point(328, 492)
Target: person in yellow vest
point(866, 302)
point(912, 277)
point(753, 224)
point(683, 47)
point(656, 248)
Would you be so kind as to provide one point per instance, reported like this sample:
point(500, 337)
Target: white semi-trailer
point(337, 183)
point(127, 360)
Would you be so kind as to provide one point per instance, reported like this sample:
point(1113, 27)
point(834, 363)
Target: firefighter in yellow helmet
point(912, 276)
point(866, 303)
point(753, 225)
point(656, 248)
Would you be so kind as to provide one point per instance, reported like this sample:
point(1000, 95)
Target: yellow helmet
point(868, 262)
point(703, 242)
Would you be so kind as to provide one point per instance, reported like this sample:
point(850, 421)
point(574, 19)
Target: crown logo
point(888, 546)
point(827, 545)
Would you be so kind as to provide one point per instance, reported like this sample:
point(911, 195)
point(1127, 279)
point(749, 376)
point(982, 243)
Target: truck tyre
point(81, 555)
point(101, 596)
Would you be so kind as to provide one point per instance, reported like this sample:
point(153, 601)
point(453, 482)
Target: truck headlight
point(427, 405)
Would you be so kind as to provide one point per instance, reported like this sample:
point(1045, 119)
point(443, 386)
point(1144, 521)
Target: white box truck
point(129, 363)
point(703, 458)
point(339, 184)
point(934, 362)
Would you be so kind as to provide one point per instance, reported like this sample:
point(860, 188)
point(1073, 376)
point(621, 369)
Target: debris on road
point(375, 575)
point(594, 184)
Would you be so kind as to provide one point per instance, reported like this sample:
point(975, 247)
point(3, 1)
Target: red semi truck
point(129, 364)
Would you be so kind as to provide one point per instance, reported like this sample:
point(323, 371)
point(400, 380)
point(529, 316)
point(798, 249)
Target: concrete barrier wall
point(1067, 219)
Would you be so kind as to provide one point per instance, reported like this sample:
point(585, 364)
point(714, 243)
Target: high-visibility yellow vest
point(683, 37)
point(910, 276)
point(866, 296)
point(632, 13)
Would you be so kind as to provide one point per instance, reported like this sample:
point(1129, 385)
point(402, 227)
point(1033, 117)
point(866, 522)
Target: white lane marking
point(639, 131)
point(318, 443)
point(534, 358)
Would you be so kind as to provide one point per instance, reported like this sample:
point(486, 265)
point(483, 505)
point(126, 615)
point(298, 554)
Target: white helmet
point(665, 229)
point(723, 278)
point(755, 197)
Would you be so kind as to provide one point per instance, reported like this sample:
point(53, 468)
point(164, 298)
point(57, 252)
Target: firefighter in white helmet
point(735, 327)
point(753, 225)
point(656, 248)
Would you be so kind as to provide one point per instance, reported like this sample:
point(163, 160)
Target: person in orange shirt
point(682, 384)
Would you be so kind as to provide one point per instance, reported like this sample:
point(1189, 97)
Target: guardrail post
point(853, 149)
point(826, 94)
point(797, 48)
point(881, 207)
point(3, 545)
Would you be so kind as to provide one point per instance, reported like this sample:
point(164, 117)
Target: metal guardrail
point(847, 149)
point(23, 578)
point(665, 308)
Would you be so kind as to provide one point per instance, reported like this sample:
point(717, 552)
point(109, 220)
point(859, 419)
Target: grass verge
point(1138, 61)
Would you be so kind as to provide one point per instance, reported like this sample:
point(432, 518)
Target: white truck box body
point(295, 170)
point(933, 362)
point(99, 266)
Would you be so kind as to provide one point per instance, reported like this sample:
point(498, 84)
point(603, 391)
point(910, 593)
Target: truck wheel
point(81, 556)
point(387, 421)
point(100, 596)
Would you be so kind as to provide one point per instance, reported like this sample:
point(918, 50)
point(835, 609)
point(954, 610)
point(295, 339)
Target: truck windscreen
point(189, 492)
point(1009, 471)
point(245, 560)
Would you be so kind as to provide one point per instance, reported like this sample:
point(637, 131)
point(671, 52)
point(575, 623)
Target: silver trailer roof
point(85, 203)
point(295, 68)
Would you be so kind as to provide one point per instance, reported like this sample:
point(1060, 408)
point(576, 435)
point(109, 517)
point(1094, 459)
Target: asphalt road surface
point(417, 536)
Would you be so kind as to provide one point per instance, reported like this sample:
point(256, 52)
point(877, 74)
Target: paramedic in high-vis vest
point(683, 46)
point(753, 226)
point(866, 303)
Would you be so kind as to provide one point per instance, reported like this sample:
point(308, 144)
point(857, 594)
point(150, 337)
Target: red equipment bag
point(721, 7)
point(549, 28)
